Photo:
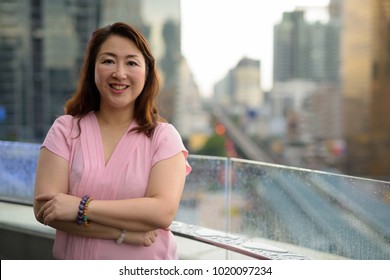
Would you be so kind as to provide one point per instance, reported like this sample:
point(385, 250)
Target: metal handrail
point(234, 243)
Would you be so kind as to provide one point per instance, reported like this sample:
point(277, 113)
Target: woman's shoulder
point(164, 128)
point(162, 125)
point(64, 121)
point(66, 124)
point(71, 120)
point(65, 118)
point(166, 132)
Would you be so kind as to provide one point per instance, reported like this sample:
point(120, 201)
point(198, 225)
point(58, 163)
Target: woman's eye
point(132, 63)
point(108, 61)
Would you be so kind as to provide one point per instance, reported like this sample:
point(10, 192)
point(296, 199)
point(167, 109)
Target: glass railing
point(18, 162)
point(303, 211)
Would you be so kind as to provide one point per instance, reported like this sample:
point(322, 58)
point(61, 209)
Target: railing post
point(228, 195)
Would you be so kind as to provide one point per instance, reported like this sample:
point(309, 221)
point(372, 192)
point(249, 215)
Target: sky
point(216, 34)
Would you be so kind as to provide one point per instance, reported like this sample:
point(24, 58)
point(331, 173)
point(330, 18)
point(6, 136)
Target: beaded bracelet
point(83, 208)
point(85, 218)
point(121, 237)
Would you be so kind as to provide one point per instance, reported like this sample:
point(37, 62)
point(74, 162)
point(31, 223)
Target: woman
point(110, 172)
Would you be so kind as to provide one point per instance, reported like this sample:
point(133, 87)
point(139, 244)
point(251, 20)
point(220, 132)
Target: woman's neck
point(114, 118)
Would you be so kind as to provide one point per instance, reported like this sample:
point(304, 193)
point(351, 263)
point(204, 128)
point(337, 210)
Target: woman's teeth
point(118, 87)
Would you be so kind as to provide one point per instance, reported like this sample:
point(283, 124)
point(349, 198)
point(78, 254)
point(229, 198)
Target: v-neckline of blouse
point(99, 137)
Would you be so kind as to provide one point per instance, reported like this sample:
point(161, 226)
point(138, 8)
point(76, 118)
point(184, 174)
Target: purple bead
point(80, 216)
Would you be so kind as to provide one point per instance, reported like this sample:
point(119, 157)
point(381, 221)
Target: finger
point(48, 215)
point(44, 196)
point(147, 243)
point(47, 220)
point(153, 237)
point(43, 209)
point(45, 212)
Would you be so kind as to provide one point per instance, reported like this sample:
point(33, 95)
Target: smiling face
point(120, 72)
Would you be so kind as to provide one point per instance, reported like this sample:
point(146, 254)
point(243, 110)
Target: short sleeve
point(167, 142)
point(58, 137)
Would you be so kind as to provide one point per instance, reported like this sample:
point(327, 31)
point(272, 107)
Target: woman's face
point(120, 73)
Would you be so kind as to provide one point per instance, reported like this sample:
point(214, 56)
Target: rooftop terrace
point(230, 209)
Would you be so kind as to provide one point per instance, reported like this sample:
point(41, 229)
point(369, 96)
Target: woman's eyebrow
point(114, 55)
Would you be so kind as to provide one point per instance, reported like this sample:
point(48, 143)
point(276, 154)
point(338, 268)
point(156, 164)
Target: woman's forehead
point(120, 45)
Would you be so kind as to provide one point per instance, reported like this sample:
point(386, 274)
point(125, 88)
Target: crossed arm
point(141, 217)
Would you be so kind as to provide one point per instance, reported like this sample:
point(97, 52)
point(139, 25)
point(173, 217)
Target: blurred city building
point(303, 119)
point(306, 50)
point(288, 102)
point(241, 87)
point(42, 46)
point(240, 92)
point(331, 90)
point(344, 117)
point(191, 119)
point(366, 86)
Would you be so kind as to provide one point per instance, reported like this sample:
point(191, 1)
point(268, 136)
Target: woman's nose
point(119, 73)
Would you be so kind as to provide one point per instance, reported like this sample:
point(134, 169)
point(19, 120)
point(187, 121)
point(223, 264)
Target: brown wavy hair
point(87, 98)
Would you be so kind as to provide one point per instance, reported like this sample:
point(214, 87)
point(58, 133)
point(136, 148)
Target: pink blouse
point(124, 176)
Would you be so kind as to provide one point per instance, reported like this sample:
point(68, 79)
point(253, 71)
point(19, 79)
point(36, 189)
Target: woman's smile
point(119, 71)
point(118, 88)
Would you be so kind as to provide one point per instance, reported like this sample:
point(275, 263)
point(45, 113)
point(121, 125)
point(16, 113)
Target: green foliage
point(215, 146)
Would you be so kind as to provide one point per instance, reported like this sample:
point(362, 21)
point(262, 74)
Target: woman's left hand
point(57, 206)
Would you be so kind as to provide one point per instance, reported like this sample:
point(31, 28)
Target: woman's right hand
point(57, 206)
point(141, 238)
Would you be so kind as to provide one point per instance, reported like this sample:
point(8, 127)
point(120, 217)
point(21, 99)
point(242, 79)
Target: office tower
point(305, 50)
point(291, 47)
point(380, 126)
point(365, 76)
point(170, 67)
point(42, 47)
point(241, 89)
point(23, 81)
point(67, 28)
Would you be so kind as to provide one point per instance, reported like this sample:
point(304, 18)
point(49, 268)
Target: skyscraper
point(291, 48)
point(380, 126)
point(304, 50)
point(42, 47)
point(22, 77)
point(41, 56)
point(366, 86)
